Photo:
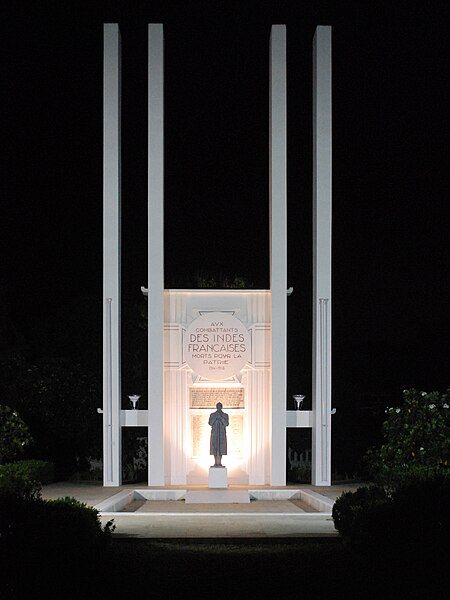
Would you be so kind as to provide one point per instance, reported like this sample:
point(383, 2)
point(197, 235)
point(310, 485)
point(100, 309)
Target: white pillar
point(155, 254)
point(278, 250)
point(321, 354)
point(112, 459)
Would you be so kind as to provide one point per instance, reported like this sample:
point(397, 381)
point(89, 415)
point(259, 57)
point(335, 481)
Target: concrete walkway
point(90, 493)
point(93, 493)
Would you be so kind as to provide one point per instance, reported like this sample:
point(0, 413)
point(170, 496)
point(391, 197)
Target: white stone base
point(218, 497)
point(218, 477)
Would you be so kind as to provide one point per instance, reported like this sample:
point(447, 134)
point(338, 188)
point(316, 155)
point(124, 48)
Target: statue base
point(218, 477)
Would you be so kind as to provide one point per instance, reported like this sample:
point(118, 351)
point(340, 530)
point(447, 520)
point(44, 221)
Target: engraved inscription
point(202, 397)
point(235, 436)
point(201, 431)
point(200, 435)
point(217, 346)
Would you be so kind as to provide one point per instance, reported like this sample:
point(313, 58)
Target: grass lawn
point(265, 568)
point(268, 568)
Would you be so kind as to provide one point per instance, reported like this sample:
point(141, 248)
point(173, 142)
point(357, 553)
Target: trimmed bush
point(408, 519)
point(71, 529)
point(54, 542)
point(25, 478)
point(349, 507)
point(40, 470)
point(19, 482)
point(62, 530)
point(43, 470)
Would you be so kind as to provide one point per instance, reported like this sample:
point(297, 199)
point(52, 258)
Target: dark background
point(390, 226)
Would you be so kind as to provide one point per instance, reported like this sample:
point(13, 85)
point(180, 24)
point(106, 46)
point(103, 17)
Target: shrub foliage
point(416, 438)
point(58, 399)
point(14, 434)
point(408, 510)
point(18, 482)
point(412, 517)
point(36, 470)
point(51, 538)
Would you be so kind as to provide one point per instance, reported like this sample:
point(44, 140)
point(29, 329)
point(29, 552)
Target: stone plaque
point(208, 397)
point(217, 346)
point(201, 431)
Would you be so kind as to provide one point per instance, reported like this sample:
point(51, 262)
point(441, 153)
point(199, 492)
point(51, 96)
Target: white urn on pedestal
point(299, 400)
point(134, 400)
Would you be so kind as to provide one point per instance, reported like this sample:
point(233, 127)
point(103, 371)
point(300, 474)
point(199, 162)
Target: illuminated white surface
point(216, 345)
point(321, 340)
point(251, 464)
point(201, 433)
point(156, 253)
point(218, 477)
point(112, 454)
point(134, 418)
point(207, 396)
point(299, 418)
point(278, 251)
point(111, 506)
point(293, 418)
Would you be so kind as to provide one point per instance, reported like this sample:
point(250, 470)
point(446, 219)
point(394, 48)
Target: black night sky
point(390, 199)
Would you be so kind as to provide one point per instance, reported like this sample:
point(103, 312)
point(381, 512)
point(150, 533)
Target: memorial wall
point(217, 349)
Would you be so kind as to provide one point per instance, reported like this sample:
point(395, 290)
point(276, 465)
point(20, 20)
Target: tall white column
point(278, 250)
point(321, 355)
point(156, 254)
point(112, 459)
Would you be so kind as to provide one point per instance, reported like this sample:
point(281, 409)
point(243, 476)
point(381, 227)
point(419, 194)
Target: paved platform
point(94, 493)
point(177, 519)
point(260, 507)
point(214, 496)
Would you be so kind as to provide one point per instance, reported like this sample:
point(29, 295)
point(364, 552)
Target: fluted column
point(321, 356)
point(112, 453)
point(156, 254)
point(278, 251)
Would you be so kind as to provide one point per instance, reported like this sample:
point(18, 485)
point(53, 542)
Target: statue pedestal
point(218, 477)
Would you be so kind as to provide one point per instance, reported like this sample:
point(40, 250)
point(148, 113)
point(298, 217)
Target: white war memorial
point(217, 346)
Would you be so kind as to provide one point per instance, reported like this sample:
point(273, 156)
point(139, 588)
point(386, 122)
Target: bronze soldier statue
point(218, 443)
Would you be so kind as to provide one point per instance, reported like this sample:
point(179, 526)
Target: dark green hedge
point(17, 482)
point(41, 470)
point(50, 543)
point(349, 508)
point(414, 516)
point(50, 540)
point(25, 478)
point(28, 521)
